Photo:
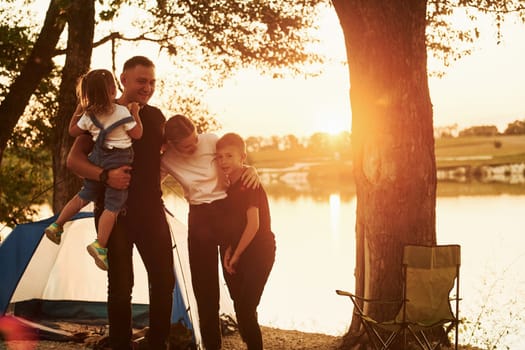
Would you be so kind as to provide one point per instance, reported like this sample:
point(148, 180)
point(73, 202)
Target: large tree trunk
point(81, 27)
point(392, 140)
point(38, 65)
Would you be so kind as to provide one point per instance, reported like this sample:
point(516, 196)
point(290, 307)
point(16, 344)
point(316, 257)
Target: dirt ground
point(92, 337)
point(274, 339)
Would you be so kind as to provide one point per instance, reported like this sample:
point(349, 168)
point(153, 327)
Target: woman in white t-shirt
point(190, 158)
point(113, 127)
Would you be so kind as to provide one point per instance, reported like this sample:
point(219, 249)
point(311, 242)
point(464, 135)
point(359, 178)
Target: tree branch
point(117, 36)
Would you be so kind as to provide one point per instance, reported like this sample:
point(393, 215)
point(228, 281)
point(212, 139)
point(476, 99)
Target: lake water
point(316, 254)
point(314, 226)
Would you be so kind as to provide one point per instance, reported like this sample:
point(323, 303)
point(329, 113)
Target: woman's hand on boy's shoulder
point(250, 177)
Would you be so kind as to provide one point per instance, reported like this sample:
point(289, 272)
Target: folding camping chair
point(429, 275)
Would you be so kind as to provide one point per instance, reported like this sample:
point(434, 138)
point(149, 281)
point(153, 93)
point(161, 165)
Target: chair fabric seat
point(430, 273)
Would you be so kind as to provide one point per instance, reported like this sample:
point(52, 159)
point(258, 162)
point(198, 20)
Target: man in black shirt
point(142, 223)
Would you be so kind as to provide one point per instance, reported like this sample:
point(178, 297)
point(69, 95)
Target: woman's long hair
point(178, 128)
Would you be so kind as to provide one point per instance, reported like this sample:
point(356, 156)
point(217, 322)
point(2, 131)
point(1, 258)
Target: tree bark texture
point(81, 28)
point(39, 64)
point(392, 140)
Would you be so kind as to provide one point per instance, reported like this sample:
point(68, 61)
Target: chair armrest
point(348, 294)
point(351, 296)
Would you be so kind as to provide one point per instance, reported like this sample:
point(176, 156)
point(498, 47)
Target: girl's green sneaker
point(54, 232)
point(100, 254)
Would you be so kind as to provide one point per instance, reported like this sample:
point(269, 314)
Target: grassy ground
point(450, 152)
point(475, 151)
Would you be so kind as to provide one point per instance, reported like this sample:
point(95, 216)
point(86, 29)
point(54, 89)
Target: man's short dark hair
point(138, 61)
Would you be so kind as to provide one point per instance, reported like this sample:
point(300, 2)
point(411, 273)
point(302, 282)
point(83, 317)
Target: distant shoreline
point(484, 158)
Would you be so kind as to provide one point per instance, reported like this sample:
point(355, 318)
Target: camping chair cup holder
point(430, 273)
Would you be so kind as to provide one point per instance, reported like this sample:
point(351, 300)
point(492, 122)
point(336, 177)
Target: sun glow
point(332, 122)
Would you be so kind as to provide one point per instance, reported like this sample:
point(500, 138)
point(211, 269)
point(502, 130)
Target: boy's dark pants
point(246, 287)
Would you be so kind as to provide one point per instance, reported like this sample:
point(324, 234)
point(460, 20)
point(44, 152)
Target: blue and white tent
point(62, 282)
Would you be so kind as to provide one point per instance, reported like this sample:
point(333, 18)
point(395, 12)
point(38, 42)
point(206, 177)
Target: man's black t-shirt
point(144, 191)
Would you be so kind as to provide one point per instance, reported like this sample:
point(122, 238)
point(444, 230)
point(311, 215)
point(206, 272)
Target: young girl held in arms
point(112, 129)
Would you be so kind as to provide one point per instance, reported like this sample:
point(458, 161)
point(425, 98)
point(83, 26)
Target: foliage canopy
point(205, 41)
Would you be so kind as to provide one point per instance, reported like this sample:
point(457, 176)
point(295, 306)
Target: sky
point(485, 88)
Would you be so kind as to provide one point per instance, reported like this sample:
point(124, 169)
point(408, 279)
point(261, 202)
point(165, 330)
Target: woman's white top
point(198, 174)
point(119, 137)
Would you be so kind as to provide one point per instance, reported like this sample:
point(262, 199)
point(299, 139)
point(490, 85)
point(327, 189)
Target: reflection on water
point(490, 231)
point(491, 181)
point(476, 188)
point(317, 190)
point(335, 213)
point(316, 255)
point(315, 252)
point(513, 173)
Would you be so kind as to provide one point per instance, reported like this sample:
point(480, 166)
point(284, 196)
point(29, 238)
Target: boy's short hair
point(232, 139)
